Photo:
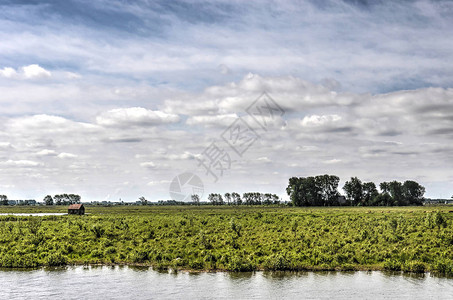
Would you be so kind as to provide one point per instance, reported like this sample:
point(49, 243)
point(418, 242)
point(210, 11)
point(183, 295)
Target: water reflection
point(122, 282)
point(240, 275)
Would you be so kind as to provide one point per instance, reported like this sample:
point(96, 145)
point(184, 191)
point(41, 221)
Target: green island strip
point(230, 238)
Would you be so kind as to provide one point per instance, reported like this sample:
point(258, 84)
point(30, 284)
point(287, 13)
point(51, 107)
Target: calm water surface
point(133, 283)
point(33, 214)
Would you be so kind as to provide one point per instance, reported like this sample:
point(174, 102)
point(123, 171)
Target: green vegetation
point(322, 190)
point(235, 238)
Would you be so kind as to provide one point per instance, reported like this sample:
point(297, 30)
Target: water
point(134, 283)
point(33, 214)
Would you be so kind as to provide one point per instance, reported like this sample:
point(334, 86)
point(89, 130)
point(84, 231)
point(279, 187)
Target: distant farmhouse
point(76, 209)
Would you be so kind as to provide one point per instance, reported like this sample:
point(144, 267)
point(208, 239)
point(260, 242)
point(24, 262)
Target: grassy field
point(412, 239)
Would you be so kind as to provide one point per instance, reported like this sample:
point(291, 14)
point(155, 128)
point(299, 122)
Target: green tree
point(247, 198)
point(275, 199)
point(195, 199)
point(4, 199)
point(383, 199)
point(413, 192)
point(228, 198)
point(267, 199)
point(73, 199)
point(370, 193)
point(58, 199)
point(354, 191)
point(327, 186)
point(48, 200)
point(236, 198)
point(143, 200)
point(216, 199)
point(294, 190)
point(396, 191)
point(385, 187)
point(313, 191)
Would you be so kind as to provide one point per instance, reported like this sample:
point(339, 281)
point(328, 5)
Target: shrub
point(97, 230)
point(55, 259)
point(277, 262)
point(439, 220)
point(392, 265)
point(240, 264)
point(444, 267)
point(110, 250)
point(138, 256)
point(196, 265)
point(236, 227)
point(414, 266)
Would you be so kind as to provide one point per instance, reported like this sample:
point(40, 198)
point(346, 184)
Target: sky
point(118, 99)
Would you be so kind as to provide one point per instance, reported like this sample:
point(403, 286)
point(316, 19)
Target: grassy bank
point(414, 239)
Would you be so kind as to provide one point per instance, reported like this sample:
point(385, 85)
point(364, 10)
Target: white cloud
point(20, 163)
point(46, 152)
point(316, 120)
point(66, 155)
point(71, 75)
point(332, 161)
point(8, 72)
point(375, 137)
point(5, 145)
point(186, 155)
point(215, 120)
point(33, 71)
point(135, 116)
point(158, 182)
point(263, 159)
point(148, 164)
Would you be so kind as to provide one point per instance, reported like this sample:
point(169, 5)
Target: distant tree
point(267, 199)
point(143, 200)
point(396, 191)
point(236, 198)
point(219, 199)
point(58, 199)
point(275, 199)
point(48, 200)
point(328, 187)
point(66, 199)
point(370, 193)
point(4, 199)
point(413, 192)
point(354, 191)
point(383, 199)
point(247, 198)
point(257, 198)
point(212, 198)
point(195, 199)
point(228, 198)
point(295, 191)
point(385, 187)
point(216, 199)
point(313, 191)
point(73, 199)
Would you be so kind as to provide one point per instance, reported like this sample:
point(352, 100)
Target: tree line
point(322, 190)
point(62, 199)
point(253, 198)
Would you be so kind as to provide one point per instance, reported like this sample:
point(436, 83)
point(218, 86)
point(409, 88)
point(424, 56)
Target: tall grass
point(414, 239)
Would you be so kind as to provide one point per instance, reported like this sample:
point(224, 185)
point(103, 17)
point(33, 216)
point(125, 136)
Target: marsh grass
point(409, 239)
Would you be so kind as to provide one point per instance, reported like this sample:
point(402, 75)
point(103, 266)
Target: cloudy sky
point(113, 99)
